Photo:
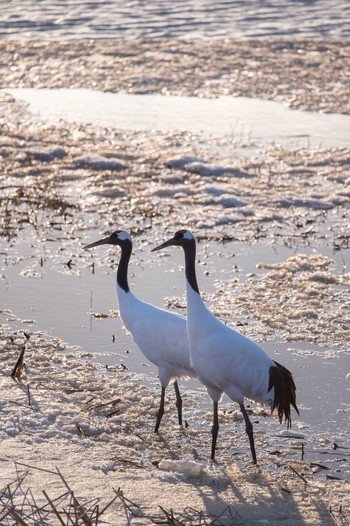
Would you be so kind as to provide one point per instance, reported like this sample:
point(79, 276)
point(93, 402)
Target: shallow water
point(259, 121)
point(67, 303)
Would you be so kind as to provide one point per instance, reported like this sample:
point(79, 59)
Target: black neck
point(122, 273)
point(190, 262)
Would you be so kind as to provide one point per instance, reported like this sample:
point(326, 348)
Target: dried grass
point(19, 506)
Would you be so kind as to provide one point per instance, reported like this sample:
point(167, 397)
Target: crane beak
point(168, 243)
point(104, 241)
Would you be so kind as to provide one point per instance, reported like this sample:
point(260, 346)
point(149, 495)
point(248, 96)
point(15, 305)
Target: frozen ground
point(63, 186)
point(281, 216)
point(303, 74)
point(96, 429)
point(259, 122)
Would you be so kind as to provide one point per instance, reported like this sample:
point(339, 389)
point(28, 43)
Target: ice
point(182, 162)
point(98, 163)
point(186, 467)
point(285, 206)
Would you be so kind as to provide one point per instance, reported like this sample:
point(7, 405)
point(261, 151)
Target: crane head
point(118, 237)
point(181, 238)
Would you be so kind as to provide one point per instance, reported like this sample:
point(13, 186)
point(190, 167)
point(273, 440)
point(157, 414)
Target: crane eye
point(180, 234)
point(183, 233)
point(114, 235)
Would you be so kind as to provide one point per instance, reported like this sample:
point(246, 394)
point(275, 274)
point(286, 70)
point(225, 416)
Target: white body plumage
point(160, 335)
point(225, 360)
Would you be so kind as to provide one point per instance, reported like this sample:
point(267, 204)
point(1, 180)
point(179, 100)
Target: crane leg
point(249, 430)
point(214, 429)
point(160, 412)
point(178, 402)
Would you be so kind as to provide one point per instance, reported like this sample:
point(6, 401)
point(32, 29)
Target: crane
point(160, 334)
point(225, 360)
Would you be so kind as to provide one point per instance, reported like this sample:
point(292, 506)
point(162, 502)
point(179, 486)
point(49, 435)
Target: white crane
point(161, 335)
point(225, 360)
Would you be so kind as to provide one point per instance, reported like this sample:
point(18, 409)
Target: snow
point(69, 421)
point(55, 418)
point(187, 467)
point(98, 163)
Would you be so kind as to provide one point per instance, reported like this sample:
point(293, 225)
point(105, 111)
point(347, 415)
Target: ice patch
point(98, 163)
point(186, 467)
point(30, 273)
point(105, 467)
point(206, 170)
point(324, 277)
point(45, 155)
point(182, 162)
point(230, 202)
point(315, 204)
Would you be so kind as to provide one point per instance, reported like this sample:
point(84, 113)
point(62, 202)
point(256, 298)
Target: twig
point(62, 478)
point(333, 477)
point(300, 476)
point(19, 520)
point(80, 511)
point(69, 518)
point(40, 511)
point(119, 459)
point(340, 509)
point(285, 489)
point(112, 413)
point(127, 504)
point(79, 429)
point(26, 502)
point(53, 508)
point(171, 520)
point(76, 504)
point(336, 446)
point(108, 505)
point(35, 467)
point(228, 508)
point(297, 437)
point(111, 402)
point(17, 370)
point(317, 465)
point(28, 512)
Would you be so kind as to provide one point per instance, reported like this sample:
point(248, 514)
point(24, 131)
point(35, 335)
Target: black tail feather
point(282, 380)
